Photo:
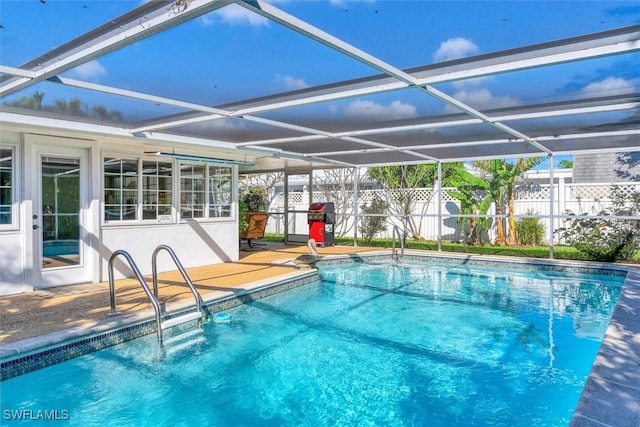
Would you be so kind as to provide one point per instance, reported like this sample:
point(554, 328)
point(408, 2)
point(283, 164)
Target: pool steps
point(180, 320)
point(183, 340)
point(162, 322)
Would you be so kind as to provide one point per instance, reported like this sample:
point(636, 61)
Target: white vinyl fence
point(531, 200)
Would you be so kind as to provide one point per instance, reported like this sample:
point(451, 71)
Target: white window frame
point(207, 206)
point(14, 224)
point(139, 219)
point(160, 217)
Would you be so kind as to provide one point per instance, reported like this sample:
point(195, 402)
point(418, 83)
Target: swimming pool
point(371, 344)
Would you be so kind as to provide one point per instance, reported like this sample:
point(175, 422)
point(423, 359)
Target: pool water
point(370, 345)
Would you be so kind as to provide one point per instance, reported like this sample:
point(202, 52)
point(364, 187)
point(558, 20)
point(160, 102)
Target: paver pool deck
point(49, 310)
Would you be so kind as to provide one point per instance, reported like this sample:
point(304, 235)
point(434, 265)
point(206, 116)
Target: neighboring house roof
point(606, 167)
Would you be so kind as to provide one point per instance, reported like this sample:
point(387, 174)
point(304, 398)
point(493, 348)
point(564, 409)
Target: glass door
point(59, 225)
point(60, 212)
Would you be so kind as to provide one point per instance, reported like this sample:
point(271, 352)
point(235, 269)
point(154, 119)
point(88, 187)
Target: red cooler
point(321, 217)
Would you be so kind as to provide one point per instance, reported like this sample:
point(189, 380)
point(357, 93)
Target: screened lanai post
point(356, 179)
point(439, 200)
point(286, 206)
point(551, 203)
point(310, 186)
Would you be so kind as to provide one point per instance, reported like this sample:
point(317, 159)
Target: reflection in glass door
point(60, 212)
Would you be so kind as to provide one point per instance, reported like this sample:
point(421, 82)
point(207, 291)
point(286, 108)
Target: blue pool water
point(371, 345)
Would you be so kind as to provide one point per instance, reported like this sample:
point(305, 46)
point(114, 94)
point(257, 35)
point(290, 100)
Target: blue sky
point(233, 54)
point(234, 44)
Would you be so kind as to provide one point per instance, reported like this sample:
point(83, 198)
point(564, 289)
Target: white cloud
point(234, 15)
point(290, 82)
point(476, 81)
point(91, 70)
point(481, 99)
point(455, 48)
point(374, 111)
point(221, 125)
point(608, 86)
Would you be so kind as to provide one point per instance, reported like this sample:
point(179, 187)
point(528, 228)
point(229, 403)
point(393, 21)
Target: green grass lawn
point(559, 252)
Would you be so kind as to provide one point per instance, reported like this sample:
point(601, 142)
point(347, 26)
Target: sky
point(233, 54)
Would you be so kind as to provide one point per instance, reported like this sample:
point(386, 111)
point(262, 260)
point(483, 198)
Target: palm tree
point(101, 112)
point(505, 176)
point(468, 186)
point(497, 191)
point(74, 107)
point(33, 102)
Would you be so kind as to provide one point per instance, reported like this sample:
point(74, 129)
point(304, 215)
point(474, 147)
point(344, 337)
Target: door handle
point(36, 226)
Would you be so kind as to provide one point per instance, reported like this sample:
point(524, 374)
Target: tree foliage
point(256, 199)
point(371, 223)
point(607, 239)
point(505, 175)
point(401, 183)
point(469, 192)
point(73, 106)
point(336, 185)
point(267, 183)
point(565, 164)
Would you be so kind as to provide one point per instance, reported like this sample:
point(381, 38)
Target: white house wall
point(196, 243)
point(13, 253)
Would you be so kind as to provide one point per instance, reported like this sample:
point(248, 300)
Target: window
point(220, 191)
point(205, 191)
point(157, 190)
point(120, 189)
point(6, 185)
point(122, 193)
point(140, 189)
point(192, 191)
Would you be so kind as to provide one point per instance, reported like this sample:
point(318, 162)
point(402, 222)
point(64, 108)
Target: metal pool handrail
point(394, 252)
point(185, 276)
point(153, 297)
point(143, 282)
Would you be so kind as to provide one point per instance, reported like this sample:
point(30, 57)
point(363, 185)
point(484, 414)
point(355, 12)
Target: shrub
point(256, 199)
point(530, 230)
point(607, 239)
point(372, 225)
point(242, 210)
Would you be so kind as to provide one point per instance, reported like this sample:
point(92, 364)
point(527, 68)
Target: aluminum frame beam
point(142, 22)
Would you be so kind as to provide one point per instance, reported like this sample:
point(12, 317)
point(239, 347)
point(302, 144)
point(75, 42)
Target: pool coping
point(31, 354)
point(610, 396)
